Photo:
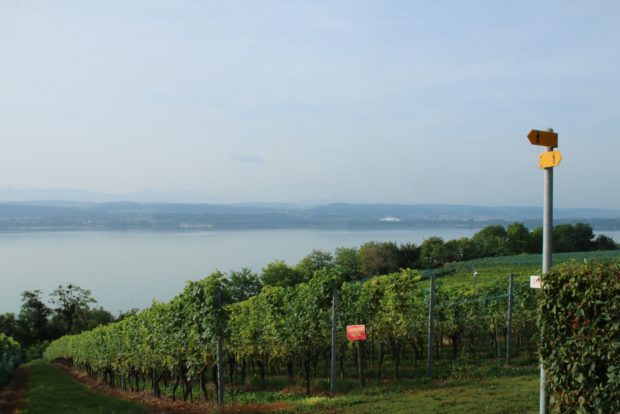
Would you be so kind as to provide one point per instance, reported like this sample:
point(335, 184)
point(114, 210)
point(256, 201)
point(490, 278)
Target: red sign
point(356, 332)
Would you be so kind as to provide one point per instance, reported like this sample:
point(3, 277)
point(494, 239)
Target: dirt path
point(164, 405)
point(12, 396)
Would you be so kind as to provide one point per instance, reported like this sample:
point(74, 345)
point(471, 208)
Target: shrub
point(9, 357)
point(580, 337)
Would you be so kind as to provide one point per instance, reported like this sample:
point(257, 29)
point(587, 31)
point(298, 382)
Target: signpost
point(545, 138)
point(535, 282)
point(357, 333)
point(547, 161)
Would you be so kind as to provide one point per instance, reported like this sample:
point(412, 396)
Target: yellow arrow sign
point(544, 138)
point(549, 159)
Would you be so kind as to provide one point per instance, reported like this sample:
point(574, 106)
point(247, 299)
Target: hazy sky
point(312, 101)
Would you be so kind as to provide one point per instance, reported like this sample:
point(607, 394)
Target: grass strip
point(50, 390)
point(493, 396)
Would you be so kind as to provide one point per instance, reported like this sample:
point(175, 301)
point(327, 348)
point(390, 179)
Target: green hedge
point(580, 337)
point(9, 357)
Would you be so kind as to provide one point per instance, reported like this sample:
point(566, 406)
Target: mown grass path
point(50, 390)
point(47, 389)
point(502, 395)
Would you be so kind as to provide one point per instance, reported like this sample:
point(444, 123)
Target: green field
point(50, 390)
point(492, 268)
point(498, 395)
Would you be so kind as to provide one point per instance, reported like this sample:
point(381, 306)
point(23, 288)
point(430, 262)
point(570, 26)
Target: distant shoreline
point(597, 225)
point(56, 216)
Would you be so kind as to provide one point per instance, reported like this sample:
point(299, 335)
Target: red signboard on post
point(356, 332)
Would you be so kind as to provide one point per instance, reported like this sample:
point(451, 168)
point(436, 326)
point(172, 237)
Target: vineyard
point(9, 357)
point(285, 333)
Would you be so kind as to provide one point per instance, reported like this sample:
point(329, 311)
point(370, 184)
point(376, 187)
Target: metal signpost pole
point(547, 220)
point(547, 160)
point(546, 260)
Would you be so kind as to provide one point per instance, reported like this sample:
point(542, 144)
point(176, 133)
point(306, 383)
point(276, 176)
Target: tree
point(33, 318)
point(316, 260)
point(408, 256)
point(468, 248)
point(243, 284)
point(564, 238)
point(347, 261)
point(569, 238)
point(537, 240)
point(72, 305)
point(603, 242)
point(378, 258)
point(492, 241)
point(583, 237)
point(9, 325)
point(278, 273)
point(432, 252)
point(518, 239)
point(452, 251)
point(97, 317)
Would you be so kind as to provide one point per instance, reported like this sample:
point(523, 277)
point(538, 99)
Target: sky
point(311, 101)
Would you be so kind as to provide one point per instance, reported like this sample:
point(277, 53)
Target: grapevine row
point(287, 330)
point(9, 357)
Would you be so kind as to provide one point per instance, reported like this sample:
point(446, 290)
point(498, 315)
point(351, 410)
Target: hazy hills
point(66, 215)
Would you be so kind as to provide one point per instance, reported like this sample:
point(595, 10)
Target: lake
point(131, 269)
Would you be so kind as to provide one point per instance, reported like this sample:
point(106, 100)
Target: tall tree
point(72, 306)
point(278, 273)
point(378, 258)
point(9, 325)
point(584, 237)
point(97, 317)
point(408, 256)
point(518, 239)
point(33, 318)
point(316, 260)
point(243, 284)
point(537, 240)
point(347, 261)
point(603, 242)
point(492, 240)
point(432, 252)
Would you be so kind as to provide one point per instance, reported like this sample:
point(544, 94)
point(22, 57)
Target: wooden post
point(431, 311)
point(334, 361)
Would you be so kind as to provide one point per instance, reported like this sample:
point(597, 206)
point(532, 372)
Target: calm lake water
point(131, 269)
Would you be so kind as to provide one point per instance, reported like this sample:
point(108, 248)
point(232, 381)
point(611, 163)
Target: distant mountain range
point(69, 215)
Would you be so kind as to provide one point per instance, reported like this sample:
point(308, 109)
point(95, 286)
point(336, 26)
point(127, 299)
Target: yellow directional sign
point(544, 138)
point(549, 159)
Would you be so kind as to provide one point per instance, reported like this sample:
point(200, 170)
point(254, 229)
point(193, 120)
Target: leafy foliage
point(243, 284)
point(580, 336)
point(72, 303)
point(9, 357)
point(278, 273)
point(289, 326)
